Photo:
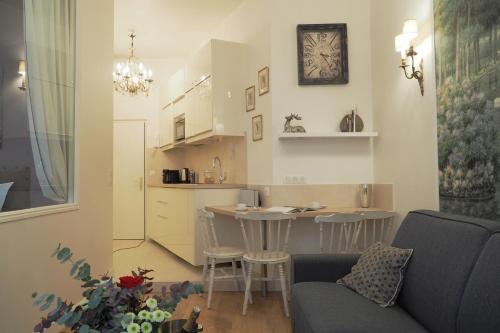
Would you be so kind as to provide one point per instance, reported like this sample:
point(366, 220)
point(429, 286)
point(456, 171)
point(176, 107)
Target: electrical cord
point(129, 248)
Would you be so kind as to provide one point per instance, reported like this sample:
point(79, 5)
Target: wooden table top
point(231, 210)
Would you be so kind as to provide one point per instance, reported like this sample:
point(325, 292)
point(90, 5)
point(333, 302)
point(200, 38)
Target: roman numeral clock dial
point(321, 56)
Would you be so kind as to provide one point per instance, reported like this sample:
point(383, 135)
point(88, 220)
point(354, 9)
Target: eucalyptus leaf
point(40, 299)
point(63, 255)
point(84, 272)
point(84, 329)
point(74, 267)
point(48, 302)
point(56, 251)
point(57, 308)
point(65, 317)
point(95, 298)
point(74, 318)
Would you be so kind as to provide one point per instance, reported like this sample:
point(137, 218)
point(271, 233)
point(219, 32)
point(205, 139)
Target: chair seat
point(224, 252)
point(267, 257)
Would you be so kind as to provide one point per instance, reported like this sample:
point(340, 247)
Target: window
point(37, 103)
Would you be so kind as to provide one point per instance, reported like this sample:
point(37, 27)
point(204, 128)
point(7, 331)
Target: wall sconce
point(403, 45)
point(22, 71)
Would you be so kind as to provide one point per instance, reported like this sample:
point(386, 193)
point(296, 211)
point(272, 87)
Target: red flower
point(128, 282)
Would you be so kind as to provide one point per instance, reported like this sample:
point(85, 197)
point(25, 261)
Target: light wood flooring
point(264, 316)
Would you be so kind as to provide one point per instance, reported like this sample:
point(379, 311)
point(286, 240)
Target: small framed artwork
point(250, 98)
point(322, 54)
point(257, 129)
point(263, 79)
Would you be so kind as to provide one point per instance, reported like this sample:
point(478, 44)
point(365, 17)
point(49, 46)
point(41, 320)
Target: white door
point(128, 180)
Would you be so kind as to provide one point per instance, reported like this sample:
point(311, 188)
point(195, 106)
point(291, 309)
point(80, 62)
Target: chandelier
point(132, 77)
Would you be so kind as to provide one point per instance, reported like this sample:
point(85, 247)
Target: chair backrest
point(277, 233)
point(380, 225)
point(348, 227)
point(207, 228)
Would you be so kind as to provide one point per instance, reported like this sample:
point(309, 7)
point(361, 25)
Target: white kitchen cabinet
point(166, 125)
point(176, 84)
point(172, 217)
point(199, 116)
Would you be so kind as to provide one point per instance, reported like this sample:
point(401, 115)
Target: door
point(128, 179)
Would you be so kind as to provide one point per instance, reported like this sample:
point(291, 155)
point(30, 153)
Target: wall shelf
point(324, 135)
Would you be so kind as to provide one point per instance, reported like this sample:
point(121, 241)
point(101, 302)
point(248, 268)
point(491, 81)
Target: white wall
point(406, 151)
point(321, 107)
point(147, 107)
point(250, 24)
point(26, 245)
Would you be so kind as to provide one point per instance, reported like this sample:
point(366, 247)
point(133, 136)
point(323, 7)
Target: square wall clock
point(322, 54)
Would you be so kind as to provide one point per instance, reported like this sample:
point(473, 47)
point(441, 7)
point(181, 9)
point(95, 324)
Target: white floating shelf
point(333, 135)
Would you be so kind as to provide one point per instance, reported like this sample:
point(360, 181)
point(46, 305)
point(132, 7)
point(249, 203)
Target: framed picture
point(322, 54)
point(250, 98)
point(257, 129)
point(263, 79)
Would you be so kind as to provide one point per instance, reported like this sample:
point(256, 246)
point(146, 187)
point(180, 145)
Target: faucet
point(222, 177)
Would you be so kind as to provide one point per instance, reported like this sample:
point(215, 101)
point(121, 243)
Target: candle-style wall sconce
point(403, 45)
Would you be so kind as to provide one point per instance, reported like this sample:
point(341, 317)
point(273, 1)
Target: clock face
point(321, 56)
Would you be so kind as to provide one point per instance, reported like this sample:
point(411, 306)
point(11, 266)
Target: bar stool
point(384, 219)
point(266, 245)
point(349, 226)
point(214, 252)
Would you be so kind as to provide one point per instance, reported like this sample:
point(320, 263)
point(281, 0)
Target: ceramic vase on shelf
point(365, 192)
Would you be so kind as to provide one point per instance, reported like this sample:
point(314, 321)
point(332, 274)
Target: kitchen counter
point(200, 186)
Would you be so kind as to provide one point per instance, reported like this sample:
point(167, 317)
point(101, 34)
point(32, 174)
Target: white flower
point(150, 316)
point(131, 315)
point(158, 316)
point(151, 303)
point(133, 328)
point(146, 327)
point(143, 315)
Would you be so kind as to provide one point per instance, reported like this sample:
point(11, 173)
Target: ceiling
point(167, 28)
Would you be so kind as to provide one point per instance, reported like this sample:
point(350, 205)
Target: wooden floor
point(264, 316)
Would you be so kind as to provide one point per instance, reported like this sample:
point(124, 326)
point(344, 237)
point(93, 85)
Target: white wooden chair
point(214, 252)
point(372, 219)
point(348, 227)
point(266, 242)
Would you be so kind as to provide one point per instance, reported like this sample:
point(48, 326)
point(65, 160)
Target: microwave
point(179, 128)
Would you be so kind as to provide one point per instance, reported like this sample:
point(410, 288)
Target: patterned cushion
point(379, 273)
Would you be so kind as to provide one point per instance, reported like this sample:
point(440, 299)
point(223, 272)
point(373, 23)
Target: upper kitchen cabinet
point(176, 84)
point(215, 91)
point(166, 126)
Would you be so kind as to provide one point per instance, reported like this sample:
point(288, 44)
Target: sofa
point(452, 282)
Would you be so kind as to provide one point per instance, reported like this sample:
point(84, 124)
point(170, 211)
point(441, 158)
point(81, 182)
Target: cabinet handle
point(162, 217)
point(162, 202)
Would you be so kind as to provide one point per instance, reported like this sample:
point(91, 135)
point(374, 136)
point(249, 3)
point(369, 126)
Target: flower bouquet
point(108, 306)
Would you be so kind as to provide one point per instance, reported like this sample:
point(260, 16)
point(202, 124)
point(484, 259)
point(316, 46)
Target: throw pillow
point(379, 273)
point(4, 189)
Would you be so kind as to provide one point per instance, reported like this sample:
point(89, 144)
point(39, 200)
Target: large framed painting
point(468, 81)
point(322, 54)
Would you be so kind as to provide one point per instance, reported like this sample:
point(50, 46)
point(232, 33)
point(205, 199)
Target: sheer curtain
point(50, 27)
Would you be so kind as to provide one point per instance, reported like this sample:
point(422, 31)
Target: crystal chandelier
point(132, 77)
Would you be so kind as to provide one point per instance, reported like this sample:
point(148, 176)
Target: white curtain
point(50, 60)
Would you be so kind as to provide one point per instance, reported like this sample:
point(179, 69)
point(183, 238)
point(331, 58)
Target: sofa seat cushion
point(325, 307)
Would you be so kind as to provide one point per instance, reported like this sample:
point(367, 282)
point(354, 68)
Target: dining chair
point(348, 227)
point(266, 236)
point(214, 252)
point(384, 220)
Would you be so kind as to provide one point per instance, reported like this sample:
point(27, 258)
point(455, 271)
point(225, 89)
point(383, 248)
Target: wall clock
point(322, 54)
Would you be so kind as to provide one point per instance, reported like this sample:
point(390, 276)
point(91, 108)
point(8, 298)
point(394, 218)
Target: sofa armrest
point(321, 267)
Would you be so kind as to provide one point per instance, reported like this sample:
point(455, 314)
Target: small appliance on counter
point(184, 175)
point(171, 176)
point(250, 198)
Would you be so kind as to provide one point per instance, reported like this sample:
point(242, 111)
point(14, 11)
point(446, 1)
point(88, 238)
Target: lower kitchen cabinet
point(172, 217)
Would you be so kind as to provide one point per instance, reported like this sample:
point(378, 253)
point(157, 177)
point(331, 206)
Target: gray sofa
point(452, 283)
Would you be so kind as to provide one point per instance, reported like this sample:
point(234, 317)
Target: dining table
point(232, 211)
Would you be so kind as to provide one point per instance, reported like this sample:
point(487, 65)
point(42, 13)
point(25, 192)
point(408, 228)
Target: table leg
point(263, 286)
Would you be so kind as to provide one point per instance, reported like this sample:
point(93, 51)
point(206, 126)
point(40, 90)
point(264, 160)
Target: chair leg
point(236, 282)
point(211, 282)
point(204, 275)
point(248, 288)
point(283, 289)
point(243, 271)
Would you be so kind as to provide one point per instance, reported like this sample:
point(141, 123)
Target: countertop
point(200, 186)
point(230, 210)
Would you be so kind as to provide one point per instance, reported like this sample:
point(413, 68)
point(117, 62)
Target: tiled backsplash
point(230, 150)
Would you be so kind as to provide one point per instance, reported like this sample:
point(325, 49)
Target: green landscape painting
point(468, 82)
